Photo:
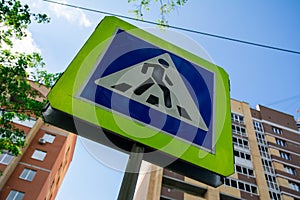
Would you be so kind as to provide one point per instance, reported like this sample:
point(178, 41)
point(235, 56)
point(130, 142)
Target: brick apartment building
point(267, 162)
point(37, 173)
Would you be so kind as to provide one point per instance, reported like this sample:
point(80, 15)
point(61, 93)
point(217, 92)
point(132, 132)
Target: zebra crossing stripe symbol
point(156, 83)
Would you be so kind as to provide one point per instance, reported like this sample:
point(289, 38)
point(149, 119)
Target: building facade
point(267, 162)
point(39, 171)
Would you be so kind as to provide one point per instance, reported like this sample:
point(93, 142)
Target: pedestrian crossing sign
point(142, 88)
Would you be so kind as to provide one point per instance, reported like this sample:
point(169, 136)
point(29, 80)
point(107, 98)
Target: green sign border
point(63, 97)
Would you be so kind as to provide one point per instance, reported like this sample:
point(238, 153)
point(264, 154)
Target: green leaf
point(17, 98)
point(166, 7)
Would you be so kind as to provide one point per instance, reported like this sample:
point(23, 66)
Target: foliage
point(17, 98)
point(14, 20)
point(166, 7)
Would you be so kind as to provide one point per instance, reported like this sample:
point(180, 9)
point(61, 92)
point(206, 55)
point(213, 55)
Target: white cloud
point(26, 45)
point(72, 15)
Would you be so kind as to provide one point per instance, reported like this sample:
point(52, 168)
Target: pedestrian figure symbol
point(156, 83)
point(158, 74)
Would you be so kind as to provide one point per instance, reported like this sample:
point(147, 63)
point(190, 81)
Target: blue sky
point(272, 77)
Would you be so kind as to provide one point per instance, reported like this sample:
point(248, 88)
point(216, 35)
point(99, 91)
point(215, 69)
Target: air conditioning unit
point(42, 141)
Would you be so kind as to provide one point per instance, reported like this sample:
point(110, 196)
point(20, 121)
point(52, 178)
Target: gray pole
point(131, 174)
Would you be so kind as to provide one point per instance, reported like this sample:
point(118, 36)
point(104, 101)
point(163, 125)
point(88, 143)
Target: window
point(237, 118)
point(28, 174)
point(240, 142)
point(243, 155)
point(267, 165)
point(258, 126)
point(263, 149)
point(28, 122)
point(294, 186)
point(280, 142)
point(274, 195)
point(39, 155)
point(277, 130)
point(264, 152)
point(52, 184)
point(244, 186)
point(271, 181)
point(260, 137)
point(49, 137)
point(244, 170)
point(15, 195)
point(289, 170)
point(239, 130)
point(57, 182)
point(5, 158)
point(284, 155)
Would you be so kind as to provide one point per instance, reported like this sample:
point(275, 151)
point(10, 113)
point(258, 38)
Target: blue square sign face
point(155, 88)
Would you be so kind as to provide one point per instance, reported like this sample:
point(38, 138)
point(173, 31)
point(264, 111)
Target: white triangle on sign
point(156, 83)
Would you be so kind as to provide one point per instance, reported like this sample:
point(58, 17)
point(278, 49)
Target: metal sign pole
point(131, 174)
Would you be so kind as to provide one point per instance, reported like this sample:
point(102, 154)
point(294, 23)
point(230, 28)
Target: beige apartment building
point(267, 162)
